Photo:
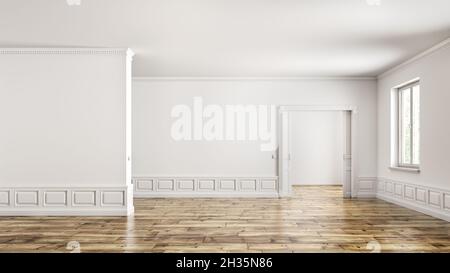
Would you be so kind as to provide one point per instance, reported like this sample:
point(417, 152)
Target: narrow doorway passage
point(314, 125)
point(316, 148)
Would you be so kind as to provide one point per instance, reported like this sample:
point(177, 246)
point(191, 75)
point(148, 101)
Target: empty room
point(214, 126)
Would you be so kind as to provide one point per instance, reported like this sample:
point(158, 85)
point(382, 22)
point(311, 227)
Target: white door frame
point(349, 157)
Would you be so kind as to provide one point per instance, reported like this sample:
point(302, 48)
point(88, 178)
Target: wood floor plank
point(314, 219)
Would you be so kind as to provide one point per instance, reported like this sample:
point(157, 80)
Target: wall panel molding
point(51, 201)
point(26, 198)
point(205, 186)
point(5, 197)
point(366, 187)
point(55, 198)
point(428, 200)
point(218, 186)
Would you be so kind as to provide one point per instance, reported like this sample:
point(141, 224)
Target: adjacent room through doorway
point(317, 143)
point(316, 148)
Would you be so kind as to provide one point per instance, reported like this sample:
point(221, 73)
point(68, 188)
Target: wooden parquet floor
point(315, 219)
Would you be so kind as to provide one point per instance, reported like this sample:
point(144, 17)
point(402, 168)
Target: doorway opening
point(316, 147)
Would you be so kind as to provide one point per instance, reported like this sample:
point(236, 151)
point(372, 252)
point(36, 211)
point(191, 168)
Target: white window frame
point(399, 156)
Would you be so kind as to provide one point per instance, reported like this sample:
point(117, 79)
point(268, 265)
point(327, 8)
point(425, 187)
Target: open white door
point(284, 155)
point(347, 156)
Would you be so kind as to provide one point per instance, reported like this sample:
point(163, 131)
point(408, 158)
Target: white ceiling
point(227, 38)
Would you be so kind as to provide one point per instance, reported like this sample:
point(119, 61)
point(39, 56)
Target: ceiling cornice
point(419, 56)
point(252, 78)
point(64, 50)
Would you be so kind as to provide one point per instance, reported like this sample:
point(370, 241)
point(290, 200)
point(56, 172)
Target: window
point(409, 126)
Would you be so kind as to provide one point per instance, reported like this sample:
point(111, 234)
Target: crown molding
point(68, 51)
point(419, 56)
point(331, 78)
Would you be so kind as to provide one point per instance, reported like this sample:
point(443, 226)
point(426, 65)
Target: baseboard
point(428, 200)
point(369, 195)
point(205, 186)
point(422, 209)
point(67, 201)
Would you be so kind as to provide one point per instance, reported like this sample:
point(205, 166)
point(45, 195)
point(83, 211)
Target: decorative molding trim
point(428, 200)
point(205, 186)
point(402, 169)
point(298, 108)
point(325, 78)
point(57, 201)
point(68, 51)
point(366, 187)
point(419, 56)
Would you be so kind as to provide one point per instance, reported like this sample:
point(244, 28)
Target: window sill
point(403, 169)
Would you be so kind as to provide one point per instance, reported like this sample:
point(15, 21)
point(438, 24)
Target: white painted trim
point(417, 207)
point(101, 202)
point(203, 176)
point(128, 123)
point(403, 169)
point(366, 187)
point(402, 85)
point(68, 212)
point(206, 195)
point(147, 186)
point(325, 78)
point(66, 50)
point(154, 186)
point(419, 56)
point(366, 195)
point(397, 195)
point(298, 108)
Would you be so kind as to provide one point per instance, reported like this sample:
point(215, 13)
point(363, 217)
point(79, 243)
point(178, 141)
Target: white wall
point(156, 153)
point(316, 148)
point(433, 71)
point(63, 127)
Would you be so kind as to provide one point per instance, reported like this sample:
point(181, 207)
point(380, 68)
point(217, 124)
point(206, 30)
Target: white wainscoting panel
point(269, 184)
point(27, 198)
point(428, 200)
point(227, 184)
point(398, 190)
point(434, 198)
point(421, 195)
point(447, 201)
point(381, 187)
point(84, 198)
point(113, 198)
point(409, 192)
point(205, 186)
point(145, 185)
point(248, 184)
point(55, 198)
point(43, 201)
point(166, 184)
point(5, 198)
point(389, 187)
point(186, 184)
point(366, 187)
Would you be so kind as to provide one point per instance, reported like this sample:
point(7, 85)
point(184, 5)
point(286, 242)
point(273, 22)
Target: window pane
point(416, 125)
point(405, 136)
